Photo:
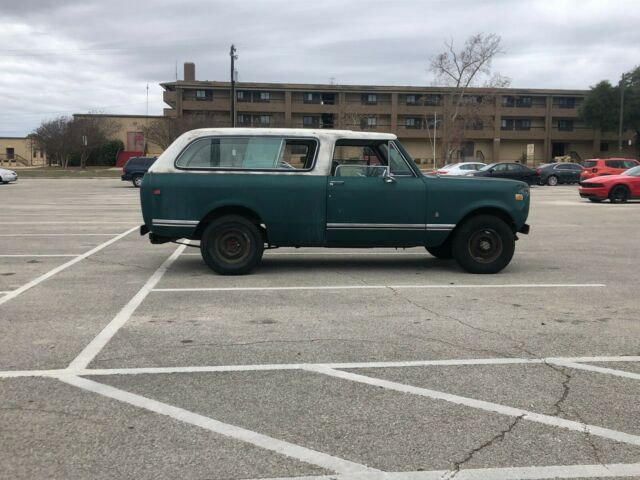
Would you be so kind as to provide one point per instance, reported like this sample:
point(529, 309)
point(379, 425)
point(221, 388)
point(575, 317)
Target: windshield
point(632, 172)
point(487, 167)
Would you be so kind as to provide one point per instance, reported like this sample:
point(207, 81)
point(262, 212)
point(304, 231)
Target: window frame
point(398, 146)
point(249, 170)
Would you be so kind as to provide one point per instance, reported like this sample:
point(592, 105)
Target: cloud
point(61, 57)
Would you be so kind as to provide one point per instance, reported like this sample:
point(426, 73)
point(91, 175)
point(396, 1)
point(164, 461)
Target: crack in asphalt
point(498, 437)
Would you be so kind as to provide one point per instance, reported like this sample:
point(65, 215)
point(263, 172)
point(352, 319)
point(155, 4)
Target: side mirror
point(388, 178)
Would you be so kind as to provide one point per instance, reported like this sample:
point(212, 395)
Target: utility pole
point(234, 57)
point(622, 80)
point(147, 100)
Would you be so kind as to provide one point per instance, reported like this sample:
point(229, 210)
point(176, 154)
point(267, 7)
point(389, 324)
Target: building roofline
point(114, 115)
point(372, 88)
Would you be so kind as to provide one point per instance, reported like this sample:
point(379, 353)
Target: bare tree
point(54, 137)
point(163, 131)
point(461, 69)
point(90, 132)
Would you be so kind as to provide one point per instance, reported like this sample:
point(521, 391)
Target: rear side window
point(614, 164)
point(249, 153)
point(590, 163)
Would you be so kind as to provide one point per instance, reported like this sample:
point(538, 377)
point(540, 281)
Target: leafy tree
point(53, 137)
point(601, 107)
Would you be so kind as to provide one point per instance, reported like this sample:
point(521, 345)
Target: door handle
point(333, 183)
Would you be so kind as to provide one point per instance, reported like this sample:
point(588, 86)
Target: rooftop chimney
point(189, 72)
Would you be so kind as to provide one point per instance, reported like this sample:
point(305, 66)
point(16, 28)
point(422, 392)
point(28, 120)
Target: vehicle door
point(563, 173)
point(500, 171)
point(369, 204)
point(516, 172)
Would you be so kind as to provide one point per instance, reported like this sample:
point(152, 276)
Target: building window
point(243, 96)
point(523, 102)
point(412, 99)
point(604, 147)
point(506, 124)
point(410, 122)
point(264, 120)
point(565, 125)
point(508, 101)
point(475, 124)
point(566, 102)
point(370, 98)
point(201, 94)
point(310, 98)
point(523, 124)
point(310, 121)
point(265, 96)
point(432, 100)
point(368, 122)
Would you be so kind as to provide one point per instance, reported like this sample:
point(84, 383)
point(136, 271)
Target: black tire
point(137, 181)
point(232, 245)
point(483, 244)
point(595, 200)
point(443, 252)
point(619, 194)
point(552, 180)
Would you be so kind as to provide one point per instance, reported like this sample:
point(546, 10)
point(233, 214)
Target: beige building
point(130, 131)
point(20, 152)
point(528, 125)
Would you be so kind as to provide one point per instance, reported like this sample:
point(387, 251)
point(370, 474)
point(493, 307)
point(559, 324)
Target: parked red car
point(617, 188)
point(597, 167)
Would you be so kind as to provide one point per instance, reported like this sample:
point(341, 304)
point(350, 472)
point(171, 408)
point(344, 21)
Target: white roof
point(327, 137)
point(321, 133)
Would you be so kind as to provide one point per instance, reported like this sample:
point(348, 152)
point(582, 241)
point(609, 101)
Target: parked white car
point(463, 168)
point(7, 176)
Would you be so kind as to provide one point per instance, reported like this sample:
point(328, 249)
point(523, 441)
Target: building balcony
point(577, 133)
point(266, 107)
point(418, 110)
point(299, 107)
point(564, 112)
point(169, 98)
point(528, 112)
point(218, 104)
point(533, 133)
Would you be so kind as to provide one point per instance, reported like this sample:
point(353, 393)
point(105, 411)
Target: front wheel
point(619, 194)
point(483, 244)
point(552, 181)
point(232, 245)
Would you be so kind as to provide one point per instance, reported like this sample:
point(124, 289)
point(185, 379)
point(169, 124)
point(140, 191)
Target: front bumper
point(524, 229)
point(125, 177)
point(597, 193)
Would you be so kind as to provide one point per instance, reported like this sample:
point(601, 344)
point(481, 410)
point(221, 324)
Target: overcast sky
point(60, 57)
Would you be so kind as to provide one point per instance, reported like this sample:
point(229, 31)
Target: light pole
point(623, 79)
point(234, 57)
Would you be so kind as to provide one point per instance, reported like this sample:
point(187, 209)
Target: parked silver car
point(7, 176)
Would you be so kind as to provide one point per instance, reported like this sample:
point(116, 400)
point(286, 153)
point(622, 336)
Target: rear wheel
point(137, 181)
point(619, 194)
point(443, 252)
point(232, 245)
point(552, 181)
point(483, 244)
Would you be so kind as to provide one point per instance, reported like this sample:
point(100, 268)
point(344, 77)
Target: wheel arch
point(241, 210)
point(489, 210)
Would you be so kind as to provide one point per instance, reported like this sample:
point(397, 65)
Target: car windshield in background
point(633, 172)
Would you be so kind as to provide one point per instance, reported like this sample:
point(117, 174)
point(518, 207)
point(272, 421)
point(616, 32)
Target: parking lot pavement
point(120, 359)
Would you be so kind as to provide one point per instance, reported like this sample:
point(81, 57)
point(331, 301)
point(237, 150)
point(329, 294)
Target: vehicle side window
point(514, 167)
point(359, 157)
point(501, 167)
point(249, 153)
point(467, 167)
point(613, 164)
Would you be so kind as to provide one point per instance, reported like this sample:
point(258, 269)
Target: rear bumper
point(126, 177)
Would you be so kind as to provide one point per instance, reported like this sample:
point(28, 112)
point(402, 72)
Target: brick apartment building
point(530, 125)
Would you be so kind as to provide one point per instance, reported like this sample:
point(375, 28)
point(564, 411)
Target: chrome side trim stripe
point(436, 227)
point(159, 222)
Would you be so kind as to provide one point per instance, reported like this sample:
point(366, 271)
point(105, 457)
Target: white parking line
point(594, 368)
point(64, 266)
point(282, 447)
point(507, 473)
point(527, 415)
point(92, 349)
point(69, 223)
point(564, 361)
point(60, 234)
point(40, 255)
point(381, 287)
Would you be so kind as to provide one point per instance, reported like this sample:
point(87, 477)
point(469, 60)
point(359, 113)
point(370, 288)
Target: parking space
point(121, 358)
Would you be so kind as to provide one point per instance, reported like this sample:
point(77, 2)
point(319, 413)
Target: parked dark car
point(555, 173)
point(135, 168)
point(513, 171)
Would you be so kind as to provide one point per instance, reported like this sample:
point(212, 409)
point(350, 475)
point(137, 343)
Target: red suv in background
point(598, 167)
